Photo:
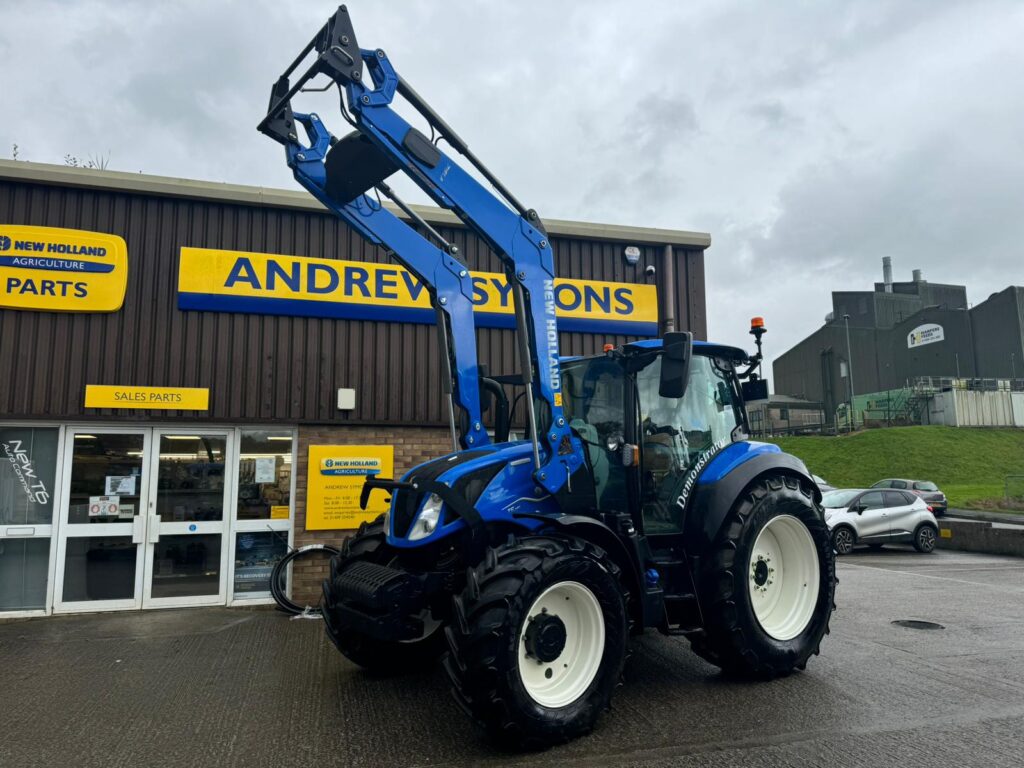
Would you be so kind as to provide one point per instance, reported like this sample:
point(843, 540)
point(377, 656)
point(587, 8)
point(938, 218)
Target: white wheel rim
point(782, 577)
point(560, 681)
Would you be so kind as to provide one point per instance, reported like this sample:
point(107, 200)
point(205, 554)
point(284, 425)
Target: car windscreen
point(837, 499)
point(924, 485)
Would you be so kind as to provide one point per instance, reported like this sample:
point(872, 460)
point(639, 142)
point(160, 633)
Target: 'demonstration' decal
point(696, 469)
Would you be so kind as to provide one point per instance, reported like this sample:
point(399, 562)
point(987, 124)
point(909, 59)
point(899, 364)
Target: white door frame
point(283, 528)
point(65, 530)
point(155, 527)
point(41, 531)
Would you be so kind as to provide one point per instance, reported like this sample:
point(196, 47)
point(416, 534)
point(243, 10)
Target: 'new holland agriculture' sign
point(260, 283)
point(61, 270)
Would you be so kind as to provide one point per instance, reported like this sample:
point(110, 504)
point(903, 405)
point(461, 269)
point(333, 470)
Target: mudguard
point(725, 477)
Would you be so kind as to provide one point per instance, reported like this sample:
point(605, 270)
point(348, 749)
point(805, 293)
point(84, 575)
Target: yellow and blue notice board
point(61, 270)
point(335, 481)
point(271, 284)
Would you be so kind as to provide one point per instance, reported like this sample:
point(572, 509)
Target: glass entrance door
point(102, 526)
point(186, 548)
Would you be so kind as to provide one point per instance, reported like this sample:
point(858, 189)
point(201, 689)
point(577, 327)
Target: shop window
point(256, 554)
point(28, 469)
point(263, 515)
point(265, 475)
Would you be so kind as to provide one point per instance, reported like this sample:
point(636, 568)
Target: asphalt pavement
point(234, 687)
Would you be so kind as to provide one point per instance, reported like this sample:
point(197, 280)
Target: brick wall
point(413, 445)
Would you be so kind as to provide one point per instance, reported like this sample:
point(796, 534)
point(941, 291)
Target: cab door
point(872, 517)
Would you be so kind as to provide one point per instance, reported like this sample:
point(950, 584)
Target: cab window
point(895, 499)
point(899, 484)
point(675, 432)
point(593, 401)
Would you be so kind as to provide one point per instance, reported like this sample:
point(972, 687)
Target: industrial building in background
point(906, 353)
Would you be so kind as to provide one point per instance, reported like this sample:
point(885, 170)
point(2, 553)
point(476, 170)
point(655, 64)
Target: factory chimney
point(887, 273)
point(917, 276)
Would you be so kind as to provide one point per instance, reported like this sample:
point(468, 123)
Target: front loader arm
point(516, 234)
point(446, 279)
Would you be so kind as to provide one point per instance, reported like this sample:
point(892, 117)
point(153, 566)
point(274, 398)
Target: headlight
point(426, 521)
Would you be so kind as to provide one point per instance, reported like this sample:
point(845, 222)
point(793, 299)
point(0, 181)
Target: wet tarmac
point(244, 687)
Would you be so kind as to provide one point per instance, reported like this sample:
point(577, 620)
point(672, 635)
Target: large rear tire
point(538, 640)
point(768, 586)
point(381, 657)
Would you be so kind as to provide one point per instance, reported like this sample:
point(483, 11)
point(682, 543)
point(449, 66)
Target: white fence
point(967, 408)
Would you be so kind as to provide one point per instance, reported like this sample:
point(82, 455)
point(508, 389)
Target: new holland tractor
point(635, 500)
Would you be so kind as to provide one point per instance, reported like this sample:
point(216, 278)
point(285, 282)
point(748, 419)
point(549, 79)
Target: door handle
point(154, 529)
point(137, 529)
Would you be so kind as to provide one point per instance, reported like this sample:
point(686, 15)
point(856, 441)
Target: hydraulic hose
point(278, 585)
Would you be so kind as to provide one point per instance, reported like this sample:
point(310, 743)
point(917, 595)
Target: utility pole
point(849, 368)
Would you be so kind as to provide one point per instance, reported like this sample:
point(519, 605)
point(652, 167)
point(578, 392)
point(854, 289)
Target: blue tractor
point(635, 500)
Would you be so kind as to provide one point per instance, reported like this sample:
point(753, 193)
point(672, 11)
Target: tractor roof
point(735, 354)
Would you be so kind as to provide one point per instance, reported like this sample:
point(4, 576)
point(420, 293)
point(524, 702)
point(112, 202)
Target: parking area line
point(940, 578)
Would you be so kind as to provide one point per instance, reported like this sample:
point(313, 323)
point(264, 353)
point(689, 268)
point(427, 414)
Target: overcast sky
point(809, 138)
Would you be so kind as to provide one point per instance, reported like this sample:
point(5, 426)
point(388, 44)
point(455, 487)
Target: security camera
point(650, 270)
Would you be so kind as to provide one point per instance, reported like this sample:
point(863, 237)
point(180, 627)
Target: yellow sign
point(261, 283)
point(61, 270)
point(162, 398)
point(279, 512)
point(946, 533)
point(336, 475)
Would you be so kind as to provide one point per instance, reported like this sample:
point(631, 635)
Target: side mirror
point(677, 351)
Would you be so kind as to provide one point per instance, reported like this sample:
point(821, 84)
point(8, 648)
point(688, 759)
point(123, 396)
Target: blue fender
point(726, 476)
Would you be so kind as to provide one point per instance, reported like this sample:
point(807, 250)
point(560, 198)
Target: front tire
point(843, 540)
point(381, 657)
point(538, 640)
point(767, 589)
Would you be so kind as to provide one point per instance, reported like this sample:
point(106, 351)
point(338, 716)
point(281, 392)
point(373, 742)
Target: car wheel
point(924, 539)
point(842, 540)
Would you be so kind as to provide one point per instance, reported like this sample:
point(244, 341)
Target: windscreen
point(838, 499)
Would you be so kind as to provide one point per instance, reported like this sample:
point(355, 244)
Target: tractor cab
point(642, 445)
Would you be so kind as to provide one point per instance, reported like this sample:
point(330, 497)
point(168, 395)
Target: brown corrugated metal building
point(199, 502)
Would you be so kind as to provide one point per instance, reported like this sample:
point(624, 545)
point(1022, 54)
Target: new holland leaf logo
point(351, 466)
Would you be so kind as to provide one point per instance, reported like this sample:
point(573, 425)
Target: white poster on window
point(265, 470)
point(120, 485)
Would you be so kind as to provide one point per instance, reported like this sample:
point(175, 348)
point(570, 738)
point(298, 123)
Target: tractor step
point(684, 632)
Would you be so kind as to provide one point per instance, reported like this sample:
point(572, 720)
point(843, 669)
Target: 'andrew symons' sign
point(260, 283)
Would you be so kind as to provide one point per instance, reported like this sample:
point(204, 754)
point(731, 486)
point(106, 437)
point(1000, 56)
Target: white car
point(876, 517)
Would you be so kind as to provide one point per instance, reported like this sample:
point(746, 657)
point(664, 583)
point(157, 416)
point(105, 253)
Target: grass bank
point(969, 465)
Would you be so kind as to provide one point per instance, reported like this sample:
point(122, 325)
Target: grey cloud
point(810, 139)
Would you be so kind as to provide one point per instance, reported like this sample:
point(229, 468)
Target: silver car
point(876, 517)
